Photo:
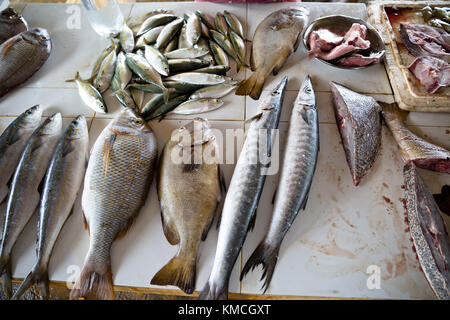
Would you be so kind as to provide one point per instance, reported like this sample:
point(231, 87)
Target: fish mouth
point(195, 133)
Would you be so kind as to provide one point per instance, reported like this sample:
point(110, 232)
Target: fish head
point(77, 129)
point(195, 133)
point(52, 125)
point(128, 122)
point(306, 97)
point(32, 117)
point(39, 36)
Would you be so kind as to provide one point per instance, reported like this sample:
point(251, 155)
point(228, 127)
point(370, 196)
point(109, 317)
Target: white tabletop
point(343, 230)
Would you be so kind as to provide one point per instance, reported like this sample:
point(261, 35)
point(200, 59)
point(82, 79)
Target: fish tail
point(267, 255)
point(391, 110)
point(96, 279)
point(180, 272)
point(252, 86)
point(77, 76)
point(213, 291)
point(39, 276)
point(5, 271)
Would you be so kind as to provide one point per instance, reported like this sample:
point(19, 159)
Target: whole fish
point(181, 86)
point(275, 38)
point(155, 21)
point(60, 189)
point(239, 48)
point(297, 171)
point(11, 23)
point(136, 23)
point(157, 60)
point(221, 24)
point(90, 95)
point(184, 65)
point(164, 108)
point(225, 44)
point(206, 19)
point(22, 56)
point(219, 70)
point(122, 73)
point(424, 154)
point(149, 37)
point(194, 106)
point(12, 143)
point(118, 177)
point(126, 38)
point(100, 59)
point(428, 232)
point(220, 57)
point(216, 91)
point(239, 210)
point(24, 195)
point(182, 43)
point(105, 73)
point(234, 23)
point(168, 32)
point(189, 193)
point(186, 53)
point(193, 30)
point(359, 123)
point(198, 78)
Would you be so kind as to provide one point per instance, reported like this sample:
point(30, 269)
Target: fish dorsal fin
point(254, 118)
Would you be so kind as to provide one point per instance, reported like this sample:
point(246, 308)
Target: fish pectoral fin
point(254, 118)
point(85, 222)
point(107, 148)
point(41, 185)
point(68, 148)
point(170, 231)
point(304, 115)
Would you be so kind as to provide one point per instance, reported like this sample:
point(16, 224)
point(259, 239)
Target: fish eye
point(137, 122)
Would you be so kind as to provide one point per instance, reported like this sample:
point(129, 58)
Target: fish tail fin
point(77, 76)
point(180, 272)
point(213, 291)
point(252, 86)
point(39, 276)
point(5, 271)
point(95, 279)
point(264, 254)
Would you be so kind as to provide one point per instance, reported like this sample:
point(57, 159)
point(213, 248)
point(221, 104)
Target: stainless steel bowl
point(341, 24)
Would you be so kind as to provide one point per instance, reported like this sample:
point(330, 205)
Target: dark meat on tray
point(423, 40)
point(354, 39)
point(433, 73)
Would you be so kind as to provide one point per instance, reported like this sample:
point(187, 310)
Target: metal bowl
point(341, 24)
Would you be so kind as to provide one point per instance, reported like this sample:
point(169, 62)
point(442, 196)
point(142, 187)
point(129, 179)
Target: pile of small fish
point(40, 169)
point(22, 52)
point(181, 61)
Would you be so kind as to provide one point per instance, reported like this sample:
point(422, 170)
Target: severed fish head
point(128, 122)
point(77, 129)
point(196, 133)
point(31, 117)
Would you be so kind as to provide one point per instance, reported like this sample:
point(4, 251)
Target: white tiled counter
point(343, 230)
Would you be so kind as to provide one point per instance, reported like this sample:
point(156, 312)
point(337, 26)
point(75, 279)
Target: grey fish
point(203, 44)
point(22, 56)
point(181, 86)
point(161, 110)
point(122, 73)
point(206, 19)
point(11, 24)
point(239, 48)
point(12, 143)
point(221, 23)
point(428, 232)
point(24, 196)
point(136, 23)
point(219, 70)
point(118, 177)
point(126, 38)
point(105, 73)
point(155, 21)
point(186, 53)
point(297, 171)
point(234, 23)
point(90, 95)
point(157, 60)
point(359, 122)
point(60, 189)
point(182, 43)
point(238, 214)
point(172, 45)
point(220, 56)
point(275, 38)
point(216, 91)
point(100, 59)
point(194, 106)
point(184, 65)
point(224, 43)
point(189, 194)
point(168, 32)
point(193, 30)
point(198, 78)
point(149, 37)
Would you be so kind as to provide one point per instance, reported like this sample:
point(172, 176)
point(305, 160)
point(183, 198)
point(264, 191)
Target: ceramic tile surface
point(344, 229)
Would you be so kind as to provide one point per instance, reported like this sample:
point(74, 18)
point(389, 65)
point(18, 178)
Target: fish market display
point(299, 164)
point(12, 143)
point(21, 56)
point(189, 193)
point(118, 177)
point(428, 231)
point(159, 47)
point(433, 73)
point(24, 195)
point(11, 23)
point(275, 38)
point(424, 154)
point(239, 210)
point(60, 189)
point(359, 122)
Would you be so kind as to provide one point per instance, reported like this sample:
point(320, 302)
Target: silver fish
point(126, 38)
point(155, 21)
point(184, 65)
point(216, 91)
point(60, 189)
point(182, 43)
point(11, 23)
point(100, 59)
point(221, 23)
point(206, 19)
point(22, 56)
point(186, 53)
point(428, 232)
point(234, 23)
point(24, 196)
point(122, 73)
point(118, 177)
point(105, 73)
point(220, 56)
point(172, 45)
point(238, 214)
point(90, 95)
point(194, 106)
point(136, 23)
point(149, 37)
point(157, 60)
point(12, 143)
point(198, 78)
point(169, 31)
point(193, 30)
point(297, 171)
